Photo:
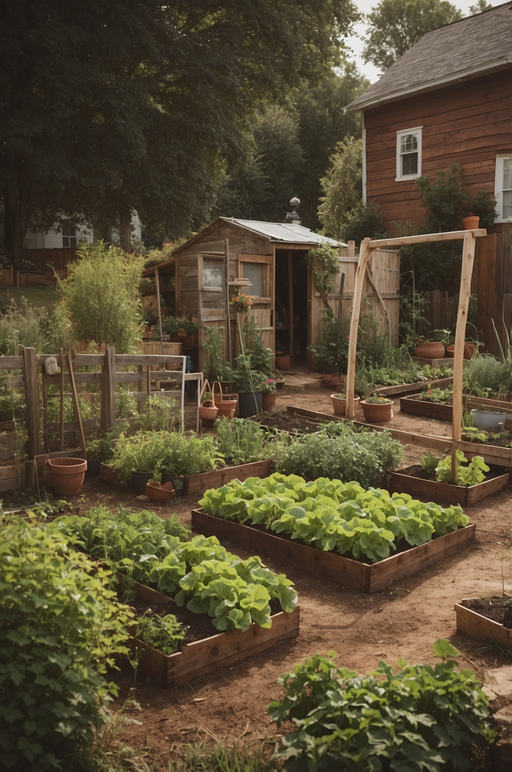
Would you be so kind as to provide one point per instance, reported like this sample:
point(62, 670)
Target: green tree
point(110, 107)
point(394, 26)
point(101, 296)
point(342, 187)
point(480, 7)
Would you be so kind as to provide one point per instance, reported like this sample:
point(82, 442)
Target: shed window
point(408, 154)
point(213, 273)
point(503, 188)
point(256, 268)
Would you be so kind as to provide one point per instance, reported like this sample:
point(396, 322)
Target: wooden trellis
point(368, 246)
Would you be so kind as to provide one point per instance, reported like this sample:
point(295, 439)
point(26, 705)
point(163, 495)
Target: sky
point(356, 44)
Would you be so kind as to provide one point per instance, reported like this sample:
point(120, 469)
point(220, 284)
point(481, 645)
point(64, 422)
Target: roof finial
point(293, 216)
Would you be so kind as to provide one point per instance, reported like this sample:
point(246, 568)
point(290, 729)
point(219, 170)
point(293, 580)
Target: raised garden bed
point(478, 618)
point(353, 574)
point(197, 484)
point(409, 480)
point(411, 388)
point(211, 652)
point(415, 405)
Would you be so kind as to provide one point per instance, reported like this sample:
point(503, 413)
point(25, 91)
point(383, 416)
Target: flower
point(241, 302)
point(269, 386)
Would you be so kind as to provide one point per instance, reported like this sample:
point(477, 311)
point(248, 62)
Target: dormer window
point(408, 154)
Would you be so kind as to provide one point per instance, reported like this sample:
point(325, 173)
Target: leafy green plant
point(102, 448)
point(241, 440)
point(468, 472)
point(484, 376)
point(62, 629)
point(419, 717)
point(429, 463)
point(324, 266)
point(436, 394)
point(331, 515)
point(331, 349)
point(165, 633)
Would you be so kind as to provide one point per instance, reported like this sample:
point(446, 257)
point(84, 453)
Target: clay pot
point(430, 350)
point(157, 491)
point(67, 474)
point(283, 361)
point(377, 412)
point(470, 222)
point(339, 404)
point(268, 401)
point(469, 349)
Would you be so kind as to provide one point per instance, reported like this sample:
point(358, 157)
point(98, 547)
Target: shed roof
point(288, 233)
point(465, 49)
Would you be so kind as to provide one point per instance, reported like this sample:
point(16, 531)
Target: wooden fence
point(41, 400)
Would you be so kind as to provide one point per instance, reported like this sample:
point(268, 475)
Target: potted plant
point(100, 450)
point(208, 409)
point(377, 408)
point(339, 403)
point(430, 349)
point(488, 418)
point(331, 349)
point(268, 394)
point(249, 384)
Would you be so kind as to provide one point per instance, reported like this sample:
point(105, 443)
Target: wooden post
point(226, 289)
point(32, 402)
point(108, 389)
point(76, 403)
point(365, 253)
point(290, 302)
point(468, 256)
point(159, 309)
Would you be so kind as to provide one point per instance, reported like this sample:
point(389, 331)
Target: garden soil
point(402, 621)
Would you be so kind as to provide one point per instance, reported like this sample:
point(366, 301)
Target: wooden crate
point(12, 476)
point(197, 484)
point(446, 493)
point(354, 574)
point(418, 406)
point(218, 650)
point(480, 628)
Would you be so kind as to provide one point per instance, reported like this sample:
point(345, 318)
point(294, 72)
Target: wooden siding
point(468, 124)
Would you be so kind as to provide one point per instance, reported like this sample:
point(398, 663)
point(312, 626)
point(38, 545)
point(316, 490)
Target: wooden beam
point(425, 238)
point(365, 253)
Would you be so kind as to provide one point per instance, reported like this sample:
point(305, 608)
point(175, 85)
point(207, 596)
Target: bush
point(61, 630)
point(421, 717)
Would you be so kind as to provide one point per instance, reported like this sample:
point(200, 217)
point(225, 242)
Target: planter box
point(480, 628)
point(197, 484)
point(411, 388)
point(353, 574)
point(418, 406)
point(445, 493)
point(218, 650)
point(12, 475)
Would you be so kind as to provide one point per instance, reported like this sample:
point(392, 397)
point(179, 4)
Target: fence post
point(32, 402)
point(108, 389)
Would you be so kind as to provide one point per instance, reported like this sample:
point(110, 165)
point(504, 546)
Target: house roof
point(465, 49)
point(288, 233)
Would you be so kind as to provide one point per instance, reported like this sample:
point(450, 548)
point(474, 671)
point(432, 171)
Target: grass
point(39, 297)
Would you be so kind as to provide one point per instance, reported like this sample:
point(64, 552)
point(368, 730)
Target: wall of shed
point(468, 124)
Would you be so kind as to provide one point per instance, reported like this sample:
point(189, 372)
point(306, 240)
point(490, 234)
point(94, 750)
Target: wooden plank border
point(480, 628)
point(446, 493)
point(353, 574)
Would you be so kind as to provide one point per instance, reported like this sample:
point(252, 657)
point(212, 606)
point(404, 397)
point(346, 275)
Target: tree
point(342, 186)
point(396, 25)
point(110, 107)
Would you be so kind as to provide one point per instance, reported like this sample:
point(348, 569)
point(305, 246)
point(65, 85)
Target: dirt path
point(402, 621)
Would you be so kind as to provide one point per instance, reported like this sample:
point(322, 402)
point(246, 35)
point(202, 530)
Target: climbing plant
point(324, 265)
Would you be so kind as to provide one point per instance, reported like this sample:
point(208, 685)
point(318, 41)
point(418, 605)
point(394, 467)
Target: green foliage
point(62, 629)
point(203, 757)
point(339, 451)
point(331, 515)
point(485, 376)
point(421, 717)
point(396, 25)
point(24, 325)
point(159, 414)
point(331, 348)
point(198, 573)
point(101, 296)
point(365, 221)
point(429, 463)
point(102, 448)
point(172, 325)
point(436, 394)
point(342, 187)
point(261, 355)
point(468, 472)
point(240, 440)
point(165, 633)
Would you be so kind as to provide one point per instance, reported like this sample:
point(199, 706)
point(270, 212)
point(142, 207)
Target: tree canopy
point(110, 107)
point(394, 26)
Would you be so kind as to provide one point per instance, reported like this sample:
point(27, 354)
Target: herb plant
point(468, 472)
point(164, 633)
point(241, 440)
point(421, 717)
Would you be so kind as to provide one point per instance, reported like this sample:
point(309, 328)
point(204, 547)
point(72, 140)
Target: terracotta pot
point(283, 362)
point(430, 350)
point(375, 413)
point(469, 349)
point(468, 223)
point(339, 404)
point(67, 475)
point(157, 491)
point(268, 401)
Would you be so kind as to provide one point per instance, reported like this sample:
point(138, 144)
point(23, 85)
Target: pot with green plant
point(377, 408)
point(330, 351)
point(268, 394)
point(99, 450)
point(430, 349)
point(249, 384)
point(339, 403)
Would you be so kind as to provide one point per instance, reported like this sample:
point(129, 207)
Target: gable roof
point(465, 49)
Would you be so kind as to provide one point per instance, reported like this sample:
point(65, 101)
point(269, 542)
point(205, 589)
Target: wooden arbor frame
point(468, 255)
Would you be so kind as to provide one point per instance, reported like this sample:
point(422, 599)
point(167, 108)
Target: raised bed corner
point(480, 628)
point(445, 493)
point(353, 574)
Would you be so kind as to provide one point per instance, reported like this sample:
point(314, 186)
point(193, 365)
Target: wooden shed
point(268, 260)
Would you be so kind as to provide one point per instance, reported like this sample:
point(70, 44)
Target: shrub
point(61, 630)
point(421, 717)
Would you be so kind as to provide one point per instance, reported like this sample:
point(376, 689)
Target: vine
point(324, 265)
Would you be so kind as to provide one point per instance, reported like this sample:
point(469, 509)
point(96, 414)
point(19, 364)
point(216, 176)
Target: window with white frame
point(69, 234)
point(503, 187)
point(408, 154)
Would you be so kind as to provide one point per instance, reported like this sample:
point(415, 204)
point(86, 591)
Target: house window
point(503, 187)
point(256, 268)
point(69, 234)
point(408, 154)
point(212, 273)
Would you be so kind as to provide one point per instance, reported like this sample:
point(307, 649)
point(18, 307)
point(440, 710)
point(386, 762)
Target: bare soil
point(230, 705)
